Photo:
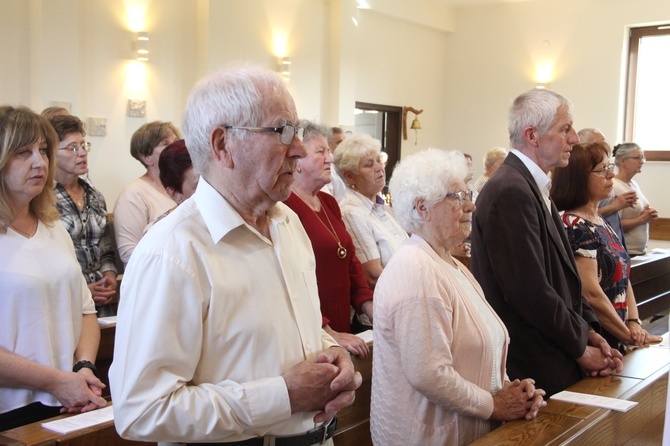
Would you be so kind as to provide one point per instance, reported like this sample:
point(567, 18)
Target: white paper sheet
point(107, 320)
point(365, 335)
point(80, 421)
point(594, 400)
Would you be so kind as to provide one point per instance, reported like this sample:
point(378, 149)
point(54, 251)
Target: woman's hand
point(103, 290)
point(78, 392)
point(517, 399)
point(352, 343)
point(367, 309)
point(640, 336)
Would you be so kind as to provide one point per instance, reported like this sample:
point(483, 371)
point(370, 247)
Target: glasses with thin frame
point(286, 132)
point(74, 148)
point(639, 158)
point(604, 171)
point(460, 196)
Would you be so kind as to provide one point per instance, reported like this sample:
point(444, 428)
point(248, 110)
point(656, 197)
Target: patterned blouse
point(600, 242)
point(88, 229)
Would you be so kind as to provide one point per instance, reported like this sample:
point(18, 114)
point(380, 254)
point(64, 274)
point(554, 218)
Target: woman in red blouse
point(339, 274)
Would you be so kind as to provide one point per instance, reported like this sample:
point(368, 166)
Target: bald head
point(590, 135)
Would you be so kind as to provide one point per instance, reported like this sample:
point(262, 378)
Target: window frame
point(635, 34)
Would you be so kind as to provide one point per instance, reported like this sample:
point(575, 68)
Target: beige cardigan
point(431, 375)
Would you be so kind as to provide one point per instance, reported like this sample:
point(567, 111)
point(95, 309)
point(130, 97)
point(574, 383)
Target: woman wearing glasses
point(83, 212)
point(339, 274)
point(635, 220)
point(370, 221)
point(432, 321)
point(602, 261)
point(49, 334)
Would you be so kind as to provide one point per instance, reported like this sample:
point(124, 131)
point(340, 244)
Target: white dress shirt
point(373, 227)
point(541, 179)
point(213, 313)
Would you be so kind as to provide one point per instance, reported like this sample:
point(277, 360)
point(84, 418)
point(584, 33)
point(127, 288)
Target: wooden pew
point(644, 379)
point(650, 278)
point(659, 229)
point(35, 435)
point(105, 355)
point(353, 422)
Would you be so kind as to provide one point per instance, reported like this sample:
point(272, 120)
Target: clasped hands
point(599, 359)
point(78, 392)
point(326, 384)
point(517, 399)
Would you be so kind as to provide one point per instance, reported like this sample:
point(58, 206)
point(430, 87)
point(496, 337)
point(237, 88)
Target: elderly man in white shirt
point(219, 333)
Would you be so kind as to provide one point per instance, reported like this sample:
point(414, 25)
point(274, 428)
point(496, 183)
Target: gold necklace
point(341, 250)
point(30, 234)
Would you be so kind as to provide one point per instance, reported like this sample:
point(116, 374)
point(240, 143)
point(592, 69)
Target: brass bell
point(416, 125)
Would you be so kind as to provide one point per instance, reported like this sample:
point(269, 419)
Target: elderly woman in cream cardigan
point(440, 349)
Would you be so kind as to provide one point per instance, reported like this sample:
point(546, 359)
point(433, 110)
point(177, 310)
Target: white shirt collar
point(541, 179)
point(220, 216)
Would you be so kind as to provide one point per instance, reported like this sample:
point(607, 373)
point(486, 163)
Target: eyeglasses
point(604, 171)
point(74, 148)
point(639, 158)
point(286, 132)
point(460, 196)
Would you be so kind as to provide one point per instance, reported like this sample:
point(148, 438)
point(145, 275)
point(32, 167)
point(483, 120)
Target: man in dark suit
point(522, 258)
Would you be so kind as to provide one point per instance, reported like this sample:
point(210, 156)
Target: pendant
point(341, 251)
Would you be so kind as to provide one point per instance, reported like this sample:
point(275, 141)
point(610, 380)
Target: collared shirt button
point(308, 346)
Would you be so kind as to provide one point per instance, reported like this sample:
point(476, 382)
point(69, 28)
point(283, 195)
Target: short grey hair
point(234, 95)
point(312, 129)
point(429, 174)
point(350, 151)
point(623, 150)
point(535, 108)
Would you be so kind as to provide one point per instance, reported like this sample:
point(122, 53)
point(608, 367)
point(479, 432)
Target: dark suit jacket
point(523, 261)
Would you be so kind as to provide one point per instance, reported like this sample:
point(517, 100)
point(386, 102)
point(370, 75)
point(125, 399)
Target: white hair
point(430, 175)
point(350, 151)
point(235, 96)
point(535, 108)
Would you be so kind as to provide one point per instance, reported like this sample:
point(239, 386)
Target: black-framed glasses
point(286, 132)
point(604, 170)
point(74, 148)
point(460, 196)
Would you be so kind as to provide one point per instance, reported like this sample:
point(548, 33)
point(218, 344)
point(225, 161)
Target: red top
point(341, 282)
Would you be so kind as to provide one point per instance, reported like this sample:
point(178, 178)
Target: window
point(648, 91)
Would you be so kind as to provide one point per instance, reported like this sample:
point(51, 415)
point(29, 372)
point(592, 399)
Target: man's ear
point(221, 147)
point(531, 136)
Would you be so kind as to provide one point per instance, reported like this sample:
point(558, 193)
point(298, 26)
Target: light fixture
point(416, 124)
point(284, 68)
point(142, 46)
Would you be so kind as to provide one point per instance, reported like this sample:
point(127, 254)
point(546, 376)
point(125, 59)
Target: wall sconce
point(416, 124)
point(142, 46)
point(284, 68)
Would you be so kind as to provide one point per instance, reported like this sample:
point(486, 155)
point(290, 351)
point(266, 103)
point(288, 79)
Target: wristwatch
point(84, 364)
point(637, 321)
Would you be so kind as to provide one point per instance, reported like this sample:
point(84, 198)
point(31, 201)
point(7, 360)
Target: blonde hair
point(20, 127)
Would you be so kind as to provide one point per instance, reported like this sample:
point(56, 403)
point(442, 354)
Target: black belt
point(314, 436)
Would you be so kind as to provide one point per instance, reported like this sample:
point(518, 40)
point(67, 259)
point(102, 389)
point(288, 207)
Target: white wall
point(492, 56)
point(464, 74)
